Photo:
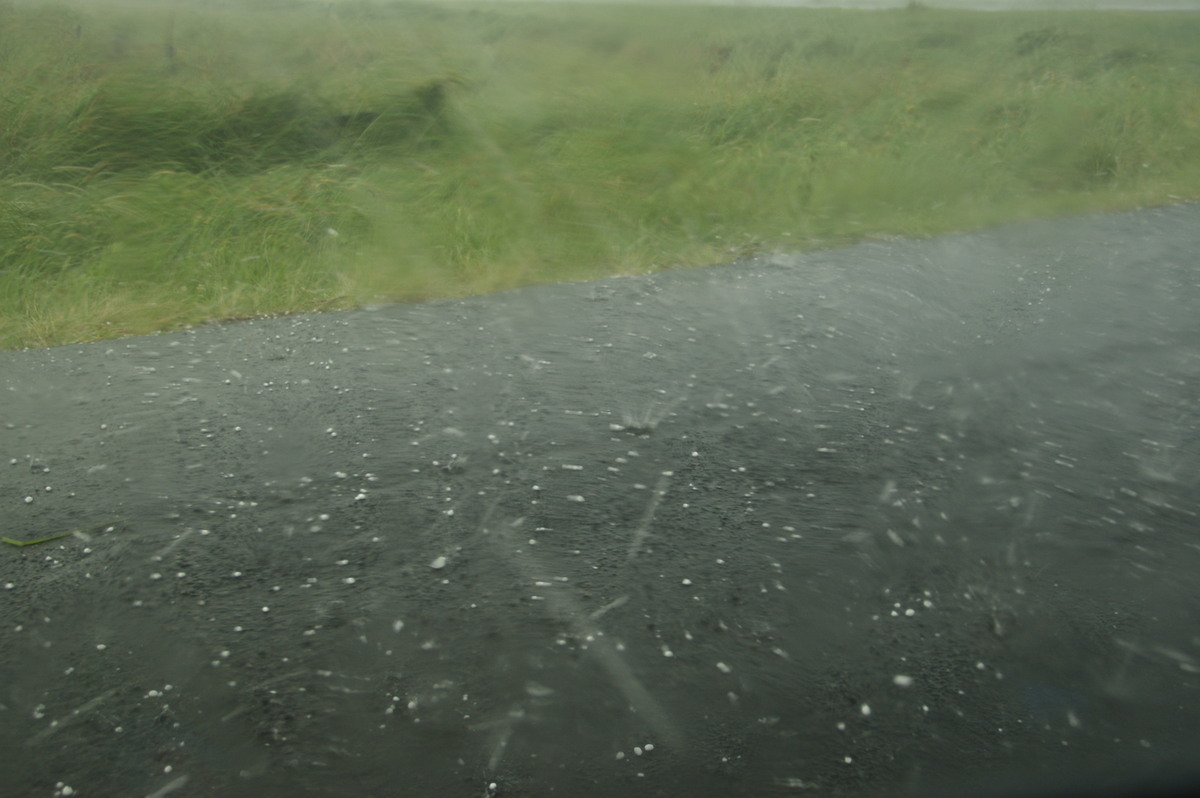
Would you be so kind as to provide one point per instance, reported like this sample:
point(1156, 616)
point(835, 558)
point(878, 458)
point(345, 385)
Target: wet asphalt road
point(876, 521)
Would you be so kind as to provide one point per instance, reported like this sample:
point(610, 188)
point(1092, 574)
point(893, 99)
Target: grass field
point(164, 165)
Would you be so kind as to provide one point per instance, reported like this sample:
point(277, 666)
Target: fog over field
point(983, 5)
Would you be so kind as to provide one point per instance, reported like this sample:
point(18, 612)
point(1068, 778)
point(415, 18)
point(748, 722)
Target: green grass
point(164, 165)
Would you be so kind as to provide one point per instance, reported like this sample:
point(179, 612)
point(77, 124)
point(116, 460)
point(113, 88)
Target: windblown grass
point(165, 165)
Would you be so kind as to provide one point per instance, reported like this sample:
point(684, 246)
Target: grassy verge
point(163, 165)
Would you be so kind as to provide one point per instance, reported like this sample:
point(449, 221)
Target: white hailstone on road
point(900, 680)
point(866, 710)
point(397, 625)
point(723, 668)
point(438, 564)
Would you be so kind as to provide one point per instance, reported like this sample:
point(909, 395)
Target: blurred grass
point(163, 165)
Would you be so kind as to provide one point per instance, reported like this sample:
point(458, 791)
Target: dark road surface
point(877, 521)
